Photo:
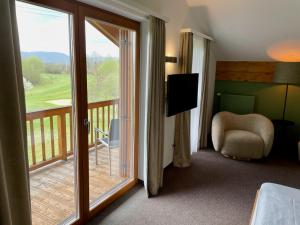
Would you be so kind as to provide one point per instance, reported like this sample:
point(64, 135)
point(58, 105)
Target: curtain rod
point(197, 33)
point(141, 9)
point(136, 12)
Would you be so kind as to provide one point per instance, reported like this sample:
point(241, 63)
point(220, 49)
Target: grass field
point(57, 87)
point(55, 91)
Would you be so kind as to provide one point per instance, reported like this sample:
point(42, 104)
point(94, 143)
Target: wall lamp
point(171, 59)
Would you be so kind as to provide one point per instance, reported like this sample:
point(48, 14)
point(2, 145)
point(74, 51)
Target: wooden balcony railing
point(49, 132)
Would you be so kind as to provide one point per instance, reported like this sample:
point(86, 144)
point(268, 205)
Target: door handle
point(87, 123)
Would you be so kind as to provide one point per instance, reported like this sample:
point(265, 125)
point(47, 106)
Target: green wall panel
point(269, 98)
point(242, 104)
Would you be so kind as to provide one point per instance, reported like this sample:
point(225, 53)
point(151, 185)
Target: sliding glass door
point(110, 63)
point(80, 71)
point(110, 57)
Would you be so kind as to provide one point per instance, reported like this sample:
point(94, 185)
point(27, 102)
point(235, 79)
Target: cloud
point(42, 29)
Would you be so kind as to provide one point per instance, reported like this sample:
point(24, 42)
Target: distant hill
point(60, 58)
point(48, 57)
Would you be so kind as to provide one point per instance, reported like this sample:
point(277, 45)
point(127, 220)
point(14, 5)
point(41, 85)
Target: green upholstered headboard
point(240, 104)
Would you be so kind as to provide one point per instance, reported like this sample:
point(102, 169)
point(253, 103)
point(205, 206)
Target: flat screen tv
point(182, 93)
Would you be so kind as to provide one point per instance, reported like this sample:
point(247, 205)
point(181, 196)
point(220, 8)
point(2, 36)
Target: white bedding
point(277, 205)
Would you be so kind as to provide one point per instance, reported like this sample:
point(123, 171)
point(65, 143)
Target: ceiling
point(262, 30)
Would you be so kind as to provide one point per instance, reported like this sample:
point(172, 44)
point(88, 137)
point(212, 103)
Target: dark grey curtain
point(182, 151)
point(14, 178)
point(156, 95)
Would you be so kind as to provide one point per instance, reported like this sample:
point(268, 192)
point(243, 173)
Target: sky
point(43, 29)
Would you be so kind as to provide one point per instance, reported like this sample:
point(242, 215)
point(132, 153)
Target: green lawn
point(55, 88)
point(58, 86)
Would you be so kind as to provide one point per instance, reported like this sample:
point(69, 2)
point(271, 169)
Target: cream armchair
point(242, 136)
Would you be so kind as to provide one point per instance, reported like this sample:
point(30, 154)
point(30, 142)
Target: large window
point(80, 76)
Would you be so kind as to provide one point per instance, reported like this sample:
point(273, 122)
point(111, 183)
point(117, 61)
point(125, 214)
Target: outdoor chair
point(110, 139)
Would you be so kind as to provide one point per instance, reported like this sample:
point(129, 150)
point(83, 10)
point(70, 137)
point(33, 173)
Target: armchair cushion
point(251, 146)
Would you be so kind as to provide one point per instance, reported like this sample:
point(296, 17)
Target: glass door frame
point(79, 12)
point(111, 18)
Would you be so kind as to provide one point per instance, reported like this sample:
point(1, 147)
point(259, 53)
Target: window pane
point(45, 40)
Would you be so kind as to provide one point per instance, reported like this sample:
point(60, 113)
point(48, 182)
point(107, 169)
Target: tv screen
point(182, 93)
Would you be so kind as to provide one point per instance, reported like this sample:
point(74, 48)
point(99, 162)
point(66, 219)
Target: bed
point(276, 205)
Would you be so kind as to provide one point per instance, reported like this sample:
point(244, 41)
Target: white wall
point(253, 30)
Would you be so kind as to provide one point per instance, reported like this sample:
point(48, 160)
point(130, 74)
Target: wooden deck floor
point(52, 188)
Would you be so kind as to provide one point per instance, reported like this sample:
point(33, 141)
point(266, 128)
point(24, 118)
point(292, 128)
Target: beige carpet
point(214, 191)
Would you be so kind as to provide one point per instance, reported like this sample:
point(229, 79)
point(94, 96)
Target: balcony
point(51, 161)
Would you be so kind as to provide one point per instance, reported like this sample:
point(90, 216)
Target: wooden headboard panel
point(261, 72)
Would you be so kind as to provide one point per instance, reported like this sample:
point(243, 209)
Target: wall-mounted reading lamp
point(171, 59)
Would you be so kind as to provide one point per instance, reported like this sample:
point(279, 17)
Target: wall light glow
point(285, 51)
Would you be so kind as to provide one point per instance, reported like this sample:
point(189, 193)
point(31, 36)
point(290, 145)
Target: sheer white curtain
point(197, 67)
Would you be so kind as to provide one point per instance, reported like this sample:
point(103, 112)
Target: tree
point(107, 79)
point(32, 68)
point(56, 68)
